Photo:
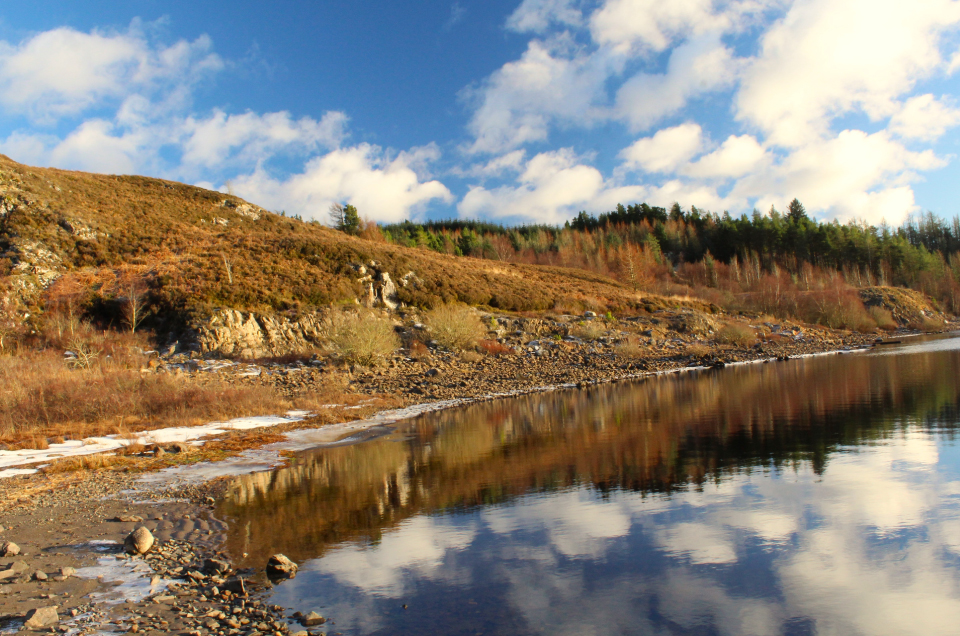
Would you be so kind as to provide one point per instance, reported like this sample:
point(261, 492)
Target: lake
point(812, 496)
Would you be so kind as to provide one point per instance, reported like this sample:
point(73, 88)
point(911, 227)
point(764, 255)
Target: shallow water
point(815, 496)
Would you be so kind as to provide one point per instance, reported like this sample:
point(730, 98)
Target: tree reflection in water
point(778, 474)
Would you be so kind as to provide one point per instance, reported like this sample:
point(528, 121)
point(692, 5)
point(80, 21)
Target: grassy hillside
point(196, 249)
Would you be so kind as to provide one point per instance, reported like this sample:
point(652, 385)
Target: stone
point(139, 541)
point(39, 575)
point(41, 617)
point(16, 569)
point(388, 292)
point(235, 586)
point(159, 452)
point(179, 447)
point(312, 619)
point(128, 519)
point(216, 566)
point(280, 567)
point(9, 549)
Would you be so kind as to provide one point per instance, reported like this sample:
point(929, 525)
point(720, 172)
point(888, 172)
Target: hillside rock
point(245, 334)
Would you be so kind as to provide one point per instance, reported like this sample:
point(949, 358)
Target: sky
point(520, 111)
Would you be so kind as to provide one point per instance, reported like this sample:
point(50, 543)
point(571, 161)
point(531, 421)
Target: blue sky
point(520, 111)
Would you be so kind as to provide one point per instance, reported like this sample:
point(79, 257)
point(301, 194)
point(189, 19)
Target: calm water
point(816, 496)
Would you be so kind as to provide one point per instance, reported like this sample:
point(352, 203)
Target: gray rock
point(67, 571)
point(39, 575)
point(9, 549)
point(16, 569)
point(216, 566)
point(41, 617)
point(139, 541)
point(312, 619)
point(280, 567)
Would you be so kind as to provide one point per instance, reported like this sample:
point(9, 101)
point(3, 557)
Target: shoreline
point(176, 504)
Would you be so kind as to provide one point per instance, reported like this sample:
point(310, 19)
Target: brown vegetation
point(455, 327)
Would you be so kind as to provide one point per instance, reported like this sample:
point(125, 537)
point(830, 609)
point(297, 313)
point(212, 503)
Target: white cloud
point(666, 150)
point(64, 71)
point(551, 82)
point(548, 190)
point(653, 24)
point(854, 175)
point(736, 157)
point(250, 136)
point(829, 57)
point(699, 66)
point(924, 117)
point(381, 188)
point(538, 15)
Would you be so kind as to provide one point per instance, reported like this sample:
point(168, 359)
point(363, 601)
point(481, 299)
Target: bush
point(455, 327)
point(883, 318)
point(736, 333)
point(589, 330)
point(362, 337)
point(494, 348)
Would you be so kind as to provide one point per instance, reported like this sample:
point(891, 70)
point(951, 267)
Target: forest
point(777, 262)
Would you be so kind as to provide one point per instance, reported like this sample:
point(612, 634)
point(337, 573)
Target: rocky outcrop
point(280, 567)
point(234, 333)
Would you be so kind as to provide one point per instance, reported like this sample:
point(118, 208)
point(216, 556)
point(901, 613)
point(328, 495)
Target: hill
point(195, 250)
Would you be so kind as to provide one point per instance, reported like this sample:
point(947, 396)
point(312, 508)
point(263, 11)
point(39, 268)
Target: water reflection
point(815, 496)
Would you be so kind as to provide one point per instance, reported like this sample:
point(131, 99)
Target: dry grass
point(43, 396)
point(698, 350)
point(455, 327)
point(927, 324)
point(736, 333)
point(363, 337)
point(631, 347)
point(591, 330)
point(883, 318)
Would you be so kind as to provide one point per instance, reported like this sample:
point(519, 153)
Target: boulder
point(312, 619)
point(9, 549)
point(41, 618)
point(139, 541)
point(280, 567)
point(39, 575)
point(67, 571)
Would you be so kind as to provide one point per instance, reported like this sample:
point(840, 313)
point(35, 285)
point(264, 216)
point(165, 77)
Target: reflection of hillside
point(650, 436)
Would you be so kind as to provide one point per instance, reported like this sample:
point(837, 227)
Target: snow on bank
point(12, 462)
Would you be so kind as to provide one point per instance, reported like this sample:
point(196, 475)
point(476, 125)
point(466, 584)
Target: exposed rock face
point(42, 617)
point(139, 541)
point(280, 567)
point(237, 333)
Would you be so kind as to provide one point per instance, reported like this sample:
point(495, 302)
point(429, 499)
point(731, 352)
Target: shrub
point(883, 318)
point(589, 330)
point(455, 327)
point(736, 333)
point(927, 324)
point(630, 348)
point(362, 337)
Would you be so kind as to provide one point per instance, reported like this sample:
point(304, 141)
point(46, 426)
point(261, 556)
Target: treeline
point(729, 260)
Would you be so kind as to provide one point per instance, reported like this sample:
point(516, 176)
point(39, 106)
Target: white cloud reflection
point(864, 549)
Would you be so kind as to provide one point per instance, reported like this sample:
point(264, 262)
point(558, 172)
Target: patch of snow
point(11, 460)
point(134, 580)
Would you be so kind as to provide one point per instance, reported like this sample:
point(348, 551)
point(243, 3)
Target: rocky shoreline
point(68, 524)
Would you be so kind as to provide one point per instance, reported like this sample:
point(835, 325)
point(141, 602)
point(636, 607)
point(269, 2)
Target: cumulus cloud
point(629, 24)
point(212, 140)
point(851, 176)
point(381, 188)
point(924, 117)
point(829, 57)
point(64, 72)
point(551, 82)
point(736, 157)
point(666, 150)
